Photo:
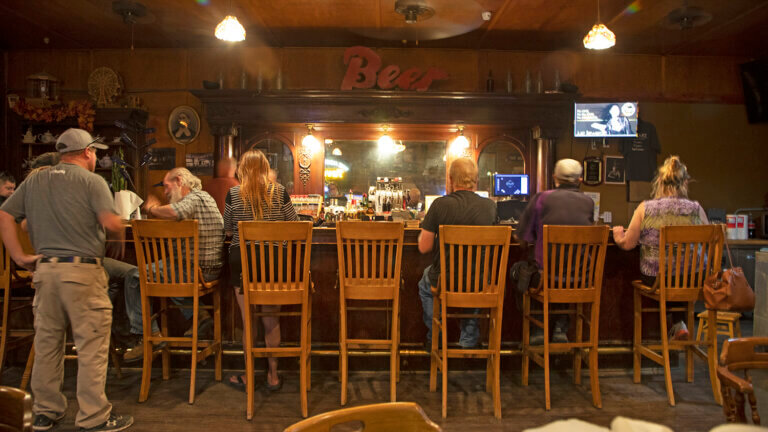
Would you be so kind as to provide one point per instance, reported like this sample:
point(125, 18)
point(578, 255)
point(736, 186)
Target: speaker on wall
point(754, 78)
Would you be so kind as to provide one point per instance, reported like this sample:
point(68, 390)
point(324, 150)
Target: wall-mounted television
point(754, 78)
point(604, 120)
point(510, 185)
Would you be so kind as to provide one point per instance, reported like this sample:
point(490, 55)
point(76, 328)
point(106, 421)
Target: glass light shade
point(386, 145)
point(336, 151)
point(459, 145)
point(599, 38)
point(230, 29)
point(311, 143)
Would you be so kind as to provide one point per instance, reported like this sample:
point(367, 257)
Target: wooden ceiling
point(738, 27)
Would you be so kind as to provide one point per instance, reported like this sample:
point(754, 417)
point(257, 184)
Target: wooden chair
point(172, 246)
point(275, 258)
point(741, 354)
point(384, 417)
point(728, 324)
point(473, 263)
point(15, 410)
point(574, 257)
point(687, 255)
point(9, 280)
point(370, 257)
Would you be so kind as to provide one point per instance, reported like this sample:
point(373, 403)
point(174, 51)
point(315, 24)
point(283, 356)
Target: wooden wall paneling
point(315, 68)
point(208, 63)
point(708, 78)
point(72, 67)
point(146, 69)
point(610, 76)
point(460, 65)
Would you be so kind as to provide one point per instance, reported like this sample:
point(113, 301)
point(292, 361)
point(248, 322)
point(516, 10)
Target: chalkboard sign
point(593, 171)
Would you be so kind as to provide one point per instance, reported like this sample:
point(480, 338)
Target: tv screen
point(754, 79)
point(603, 120)
point(510, 184)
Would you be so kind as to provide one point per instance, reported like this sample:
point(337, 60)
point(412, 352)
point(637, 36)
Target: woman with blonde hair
point(669, 206)
point(256, 198)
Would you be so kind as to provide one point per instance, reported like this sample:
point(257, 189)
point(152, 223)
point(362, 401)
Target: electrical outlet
point(607, 217)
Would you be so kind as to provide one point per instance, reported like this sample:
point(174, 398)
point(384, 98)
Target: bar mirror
point(498, 157)
point(280, 159)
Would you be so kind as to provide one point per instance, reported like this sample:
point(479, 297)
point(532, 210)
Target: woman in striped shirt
point(257, 198)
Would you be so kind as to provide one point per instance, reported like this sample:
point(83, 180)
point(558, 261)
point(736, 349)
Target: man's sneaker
point(204, 324)
point(137, 352)
point(559, 336)
point(43, 423)
point(113, 424)
point(678, 332)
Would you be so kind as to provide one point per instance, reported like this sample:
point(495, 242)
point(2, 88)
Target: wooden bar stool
point(384, 417)
point(15, 410)
point(370, 257)
point(275, 258)
point(741, 354)
point(9, 281)
point(574, 257)
point(473, 274)
point(727, 324)
point(687, 255)
point(167, 253)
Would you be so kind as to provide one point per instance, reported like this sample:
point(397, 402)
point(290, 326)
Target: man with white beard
point(186, 200)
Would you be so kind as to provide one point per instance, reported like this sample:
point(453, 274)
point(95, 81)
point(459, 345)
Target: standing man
point(68, 208)
point(461, 207)
point(563, 205)
point(223, 182)
point(186, 200)
point(7, 186)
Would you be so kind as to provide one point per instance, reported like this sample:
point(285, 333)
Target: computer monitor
point(428, 200)
point(510, 185)
point(483, 194)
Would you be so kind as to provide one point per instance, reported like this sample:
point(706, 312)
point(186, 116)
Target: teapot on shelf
point(28, 137)
point(47, 137)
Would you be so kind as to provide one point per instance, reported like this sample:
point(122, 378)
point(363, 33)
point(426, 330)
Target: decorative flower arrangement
point(82, 110)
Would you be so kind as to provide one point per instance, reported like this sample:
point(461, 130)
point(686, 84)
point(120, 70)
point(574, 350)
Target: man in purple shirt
point(563, 205)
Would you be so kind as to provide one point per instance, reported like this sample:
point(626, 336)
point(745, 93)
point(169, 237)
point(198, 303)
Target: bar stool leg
point(444, 352)
point(526, 338)
point(665, 353)
point(637, 337)
point(712, 358)
point(343, 351)
point(547, 404)
point(193, 369)
point(700, 328)
point(217, 330)
point(738, 327)
point(25, 377)
point(164, 328)
point(579, 337)
point(689, 368)
point(434, 353)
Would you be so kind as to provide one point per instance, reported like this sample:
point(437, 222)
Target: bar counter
point(616, 312)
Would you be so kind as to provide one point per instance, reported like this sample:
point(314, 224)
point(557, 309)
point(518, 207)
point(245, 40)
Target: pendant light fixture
point(600, 37)
point(230, 29)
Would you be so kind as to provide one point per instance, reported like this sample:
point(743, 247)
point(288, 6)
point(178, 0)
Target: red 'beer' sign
point(364, 71)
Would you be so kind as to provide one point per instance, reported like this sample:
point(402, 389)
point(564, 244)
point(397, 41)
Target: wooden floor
point(220, 407)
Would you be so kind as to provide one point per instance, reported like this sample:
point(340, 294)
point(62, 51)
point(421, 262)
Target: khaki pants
point(76, 295)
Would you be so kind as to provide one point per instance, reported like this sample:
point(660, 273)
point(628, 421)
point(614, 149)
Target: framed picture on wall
point(593, 171)
point(184, 124)
point(615, 170)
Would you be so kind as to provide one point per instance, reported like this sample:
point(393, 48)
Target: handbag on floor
point(728, 290)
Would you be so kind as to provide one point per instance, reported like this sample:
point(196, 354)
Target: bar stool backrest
point(5, 266)
point(167, 245)
point(369, 258)
point(15, 410)
point(687, 255)
point(276, 259)
point(741, 354)
point(473, 260)
point(385, 417)
point(574, 257)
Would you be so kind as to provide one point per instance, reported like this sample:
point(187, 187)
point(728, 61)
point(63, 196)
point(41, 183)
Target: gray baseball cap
point(568, 170)
point(74, 139)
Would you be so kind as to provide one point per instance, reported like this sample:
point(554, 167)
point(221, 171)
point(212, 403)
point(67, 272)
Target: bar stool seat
point(728, 324)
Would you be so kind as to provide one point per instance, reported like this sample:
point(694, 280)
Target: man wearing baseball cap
point(68, 208)
point(563, 205)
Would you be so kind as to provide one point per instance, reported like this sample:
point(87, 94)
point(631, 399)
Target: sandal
point(274, 388)
point(239, 384)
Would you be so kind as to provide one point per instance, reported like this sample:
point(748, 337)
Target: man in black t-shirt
point(461, 207)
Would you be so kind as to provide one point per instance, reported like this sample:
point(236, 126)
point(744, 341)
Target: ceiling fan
point(686, 17)
point(426, 20)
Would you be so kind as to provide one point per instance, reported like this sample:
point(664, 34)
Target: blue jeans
point(470, 333)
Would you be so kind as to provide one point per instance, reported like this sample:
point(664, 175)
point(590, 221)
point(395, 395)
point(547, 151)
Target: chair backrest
point(473, 260)
point(574, 257)
point(166, 244)
point(5, 266)
point(741, 354)
point(384, 417)
point(370, 256)
point(15, 409)
point(687, 255)
point(276, 259)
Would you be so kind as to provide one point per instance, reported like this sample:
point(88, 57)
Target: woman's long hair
point(671, 180)
point(255, 188)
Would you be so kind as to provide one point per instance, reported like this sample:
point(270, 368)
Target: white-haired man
point(563, 205)
point(186, 200)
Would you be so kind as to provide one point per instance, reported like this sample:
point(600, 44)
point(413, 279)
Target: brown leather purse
point(728, 290)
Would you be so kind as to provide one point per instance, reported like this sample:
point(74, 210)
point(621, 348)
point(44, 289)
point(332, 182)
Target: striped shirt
point(201, 206)
point(235, 210)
